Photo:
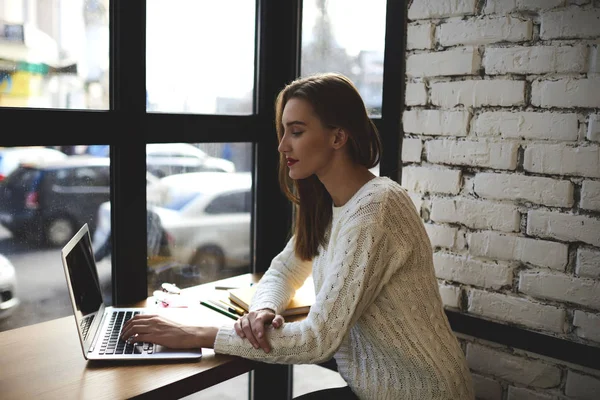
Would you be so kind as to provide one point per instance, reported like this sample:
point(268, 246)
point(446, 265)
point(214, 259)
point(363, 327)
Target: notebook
point(300, 303)
point(95, 320)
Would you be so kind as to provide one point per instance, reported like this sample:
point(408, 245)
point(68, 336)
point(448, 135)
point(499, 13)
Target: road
point(41, 285)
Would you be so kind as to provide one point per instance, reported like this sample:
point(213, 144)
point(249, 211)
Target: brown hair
point(337, 103)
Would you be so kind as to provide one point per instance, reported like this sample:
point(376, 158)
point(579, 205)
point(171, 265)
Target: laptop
point(99, 325)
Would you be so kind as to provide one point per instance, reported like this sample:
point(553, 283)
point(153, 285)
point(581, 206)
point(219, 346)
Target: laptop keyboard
point(112, 342)
point(85, 326)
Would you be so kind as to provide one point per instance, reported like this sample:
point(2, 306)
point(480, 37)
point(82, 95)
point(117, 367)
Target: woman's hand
point(252, 327)
point(164, 332)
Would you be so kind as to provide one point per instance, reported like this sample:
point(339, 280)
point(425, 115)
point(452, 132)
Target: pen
point(219, 310)
point(229, 287)
point(232, 308)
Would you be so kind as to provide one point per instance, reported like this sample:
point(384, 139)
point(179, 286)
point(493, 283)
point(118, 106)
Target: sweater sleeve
point(360, 263)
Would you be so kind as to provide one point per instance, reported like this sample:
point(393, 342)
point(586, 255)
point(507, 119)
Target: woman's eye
point(297, 133)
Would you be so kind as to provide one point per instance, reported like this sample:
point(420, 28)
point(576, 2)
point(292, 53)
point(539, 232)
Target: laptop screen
point(83, 277)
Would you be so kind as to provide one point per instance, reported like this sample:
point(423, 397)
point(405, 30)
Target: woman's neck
point(343, 182)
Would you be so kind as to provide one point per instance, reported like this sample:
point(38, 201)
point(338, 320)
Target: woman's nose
point(282, 145)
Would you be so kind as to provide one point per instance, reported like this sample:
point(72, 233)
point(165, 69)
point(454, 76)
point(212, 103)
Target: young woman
point(378, 310)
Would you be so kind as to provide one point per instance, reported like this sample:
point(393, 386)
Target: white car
point(12, 157)
point(8, 287)
point(163, 159)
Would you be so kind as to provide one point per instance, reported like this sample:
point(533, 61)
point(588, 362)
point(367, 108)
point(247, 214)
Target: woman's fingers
point(278, 321)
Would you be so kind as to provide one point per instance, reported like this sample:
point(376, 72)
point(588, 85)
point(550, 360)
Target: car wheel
point(59, 231)
point(207, 264)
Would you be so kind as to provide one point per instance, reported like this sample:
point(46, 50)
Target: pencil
point(219, 310)
point(232, 308)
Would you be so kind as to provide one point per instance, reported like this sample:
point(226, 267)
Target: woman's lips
point(291, 161)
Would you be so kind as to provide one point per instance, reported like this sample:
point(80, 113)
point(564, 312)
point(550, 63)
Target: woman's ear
point(340, 137)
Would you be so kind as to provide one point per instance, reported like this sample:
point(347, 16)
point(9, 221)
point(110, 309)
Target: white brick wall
point(560, 287)
point(594, 67)
point(416, 94)
point(450, 295)
point(593, 132)
point(517, 310)
point(445, 236)
point(513, 368)
point(590, 195)
point(435, 122)
point(499, 246)
point(580, 386)
point(507, 6)
point(492, 275)
point(411, 150)
point(484, 30)
point(574, 22)
point(420, 36)
point(535, 189)
point(556, 159)
point(588, 263)
point(465, 61)
point(535, 59)
point(477, 93)
point(565, 93)
point(566, 227)
point(431, 179)
point(476, 214)
point(440, 8)
point(519, 393)
point(527, 125)
point(588, 325)
point(472, 153)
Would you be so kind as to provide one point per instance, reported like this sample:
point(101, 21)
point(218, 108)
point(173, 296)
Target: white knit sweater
point(378, 310)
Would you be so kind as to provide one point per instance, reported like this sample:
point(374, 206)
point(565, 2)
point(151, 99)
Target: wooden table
point(45, 361)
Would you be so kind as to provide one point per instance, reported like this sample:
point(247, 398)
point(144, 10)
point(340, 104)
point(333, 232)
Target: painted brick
point(492, 275)
point(566, 93)
point(588, 263)
point(535, 60)
point(431, 179)
point(581, 386)
point(476, 214)
point(560, 287)
point(465, 61)
point(587, 325)
point(421, 9)
point(527, 125)
point(508, 308)
point(590, 195)
point(420, 36)
point(445, 236)
point(593, 132)
point(507, 6)
point(478, 93)
point(519, 393)
point(486, 388)
point(594, 67)
point(473, 153)
point(416, 94)
point(559, 159)
point(512, 368)
point(436, 122)
point(507, 247)
point(486, 30)
point(411, 150)
point(566, 227)
point(534, 189)
point(450, 295)
point(417, 200)
point(571, 22)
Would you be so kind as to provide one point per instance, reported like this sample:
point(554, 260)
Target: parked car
point(206, 221)
point(49, 201)
point(8, 288)
point(11, 157)
point(163, 159)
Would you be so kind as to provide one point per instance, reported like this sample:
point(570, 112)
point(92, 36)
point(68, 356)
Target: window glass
point(43, 202)
point(200, 56)
point(199, 212)
point(332, 41)
point(54, 54)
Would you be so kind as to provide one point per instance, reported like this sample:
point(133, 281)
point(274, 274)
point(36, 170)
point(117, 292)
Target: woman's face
point(306, 143)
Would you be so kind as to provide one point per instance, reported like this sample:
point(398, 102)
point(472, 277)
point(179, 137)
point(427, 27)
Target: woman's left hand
point(162, 331)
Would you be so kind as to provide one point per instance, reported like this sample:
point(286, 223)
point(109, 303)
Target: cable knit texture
point(378, 310)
